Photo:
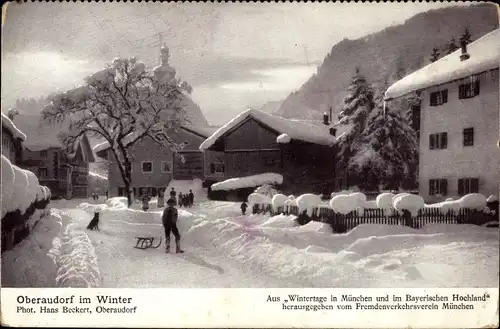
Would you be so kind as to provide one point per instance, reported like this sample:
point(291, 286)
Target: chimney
point(464, 56)
point(326, 121)
point(331, 114)
point(333, 131)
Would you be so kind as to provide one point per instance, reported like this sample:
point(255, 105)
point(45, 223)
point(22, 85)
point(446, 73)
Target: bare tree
point(123, 104)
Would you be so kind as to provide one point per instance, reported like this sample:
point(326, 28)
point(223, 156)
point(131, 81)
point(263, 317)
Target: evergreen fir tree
point(466, 37)
point(357, 107)
point(435, 54)
point(452, 46)
point(388, 152)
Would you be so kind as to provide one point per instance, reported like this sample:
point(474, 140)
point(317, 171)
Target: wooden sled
point(146, 242)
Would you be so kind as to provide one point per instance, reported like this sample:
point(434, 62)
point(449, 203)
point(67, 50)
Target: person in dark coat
point(180, 203)
point(173, 193)
point(169, 220)
point(191, 198)
point(186, 200)
point(243, 208)
point(145, 202)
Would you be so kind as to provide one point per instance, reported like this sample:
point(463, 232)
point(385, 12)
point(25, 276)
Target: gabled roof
point(295, 129)
point(7, 124)
point(200, 131)
point(484, 55)
point(45, 136)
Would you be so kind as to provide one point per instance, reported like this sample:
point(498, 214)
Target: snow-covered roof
point(199, 130)
point(296, 129)
point(484, 55)
point(248, 181)
point(10, 126)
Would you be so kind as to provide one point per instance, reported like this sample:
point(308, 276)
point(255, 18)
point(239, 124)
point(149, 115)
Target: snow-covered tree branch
point(122, 104)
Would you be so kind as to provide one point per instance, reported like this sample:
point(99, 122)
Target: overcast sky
point(234, 55)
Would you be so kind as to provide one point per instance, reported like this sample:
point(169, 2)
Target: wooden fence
point(342, 223)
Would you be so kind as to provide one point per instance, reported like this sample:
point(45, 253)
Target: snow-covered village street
point(226, 249)
point(291, 164)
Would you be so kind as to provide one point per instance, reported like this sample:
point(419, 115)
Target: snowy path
point(122, 265)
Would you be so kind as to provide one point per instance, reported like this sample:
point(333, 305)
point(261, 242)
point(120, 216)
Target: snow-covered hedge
point(345, 202)
point(22, 196)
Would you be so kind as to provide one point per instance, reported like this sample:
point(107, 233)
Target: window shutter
point(444, 140)
point(476, 87)
point(431, 187)
point(445, 95)
point(212, 168)
point(461, 91)
point(431, 141)
point(474, 185)
point(460, 186)
point(443, 188)
point(433, 99)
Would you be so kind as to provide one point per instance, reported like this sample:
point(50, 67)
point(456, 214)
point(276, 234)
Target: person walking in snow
point(243, 208)
point(173, 194)
point(179, 201)
point(161, 199)
point(169, 220)
point(191, 198)
point(145, 202)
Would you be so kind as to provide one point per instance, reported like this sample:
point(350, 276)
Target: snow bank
point(346, 203)
point(473, 201)
point(281, 221)
point(257, 198)
point(307, 202)
point(33, 186)
point(283, 139)
point(278, 200)
point(384, 200)
point(8, 125)
point(30, 263)
point(7, 189)
point(411, 202)
point(295, 129)
point(74, 256)
point(20, 196)
point(117, 202)
point(248, 181)
point(343, 204)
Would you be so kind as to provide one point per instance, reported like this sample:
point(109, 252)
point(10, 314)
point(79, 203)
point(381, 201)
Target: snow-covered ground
point(226, 249)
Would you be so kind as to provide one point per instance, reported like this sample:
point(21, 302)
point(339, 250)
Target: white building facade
point(459, 120)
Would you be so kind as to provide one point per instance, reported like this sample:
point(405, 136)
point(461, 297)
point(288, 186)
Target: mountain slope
point(389, 54)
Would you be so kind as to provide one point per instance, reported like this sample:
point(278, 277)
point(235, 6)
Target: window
point(469, 89)
point(468, 136)
point(271, 161)
point(5, 141)
point(43, 172)
point(166, 166)
point(147, 166)
point(438, 141)
point(468, 185)
point(217, 168)
point(439, 97)
point(43, 154)
point(438, 187)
